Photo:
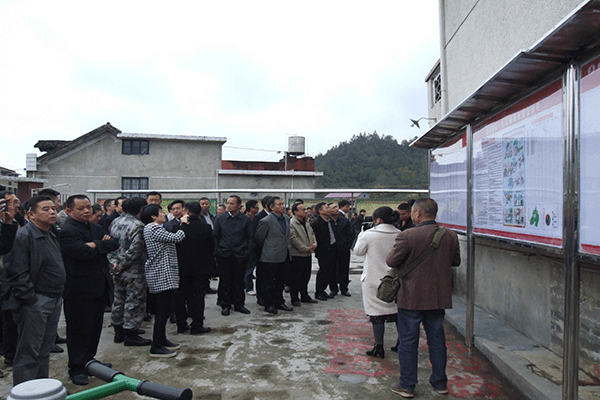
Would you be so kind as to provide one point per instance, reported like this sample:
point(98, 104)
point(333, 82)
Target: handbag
point(390, 283)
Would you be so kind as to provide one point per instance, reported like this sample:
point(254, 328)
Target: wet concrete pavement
point(316, 351)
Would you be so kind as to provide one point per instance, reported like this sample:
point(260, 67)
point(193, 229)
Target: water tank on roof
point(296, 145)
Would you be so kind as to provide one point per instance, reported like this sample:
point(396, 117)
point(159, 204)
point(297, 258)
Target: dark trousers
point(326, 274)
point(84, 319)
point(189, 300)
point(248, 281)
point(10, 335)
point(342, 270)
point(299, 277)
point(164, 308)
point(274, 277)
point(259, 280)
point(231, 281)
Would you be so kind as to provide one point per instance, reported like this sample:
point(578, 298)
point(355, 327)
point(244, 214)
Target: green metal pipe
point(119, 384)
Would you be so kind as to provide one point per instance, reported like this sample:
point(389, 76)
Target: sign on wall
point(518, 171)
point(589, 164)
point(448, 183)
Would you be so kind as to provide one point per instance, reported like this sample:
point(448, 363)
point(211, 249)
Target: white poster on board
point(590, 165)
point(518, 171)
point(448, 184)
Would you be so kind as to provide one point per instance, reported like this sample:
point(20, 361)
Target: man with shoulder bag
point(425, 292)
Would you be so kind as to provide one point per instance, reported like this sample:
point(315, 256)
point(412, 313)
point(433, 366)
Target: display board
point(589, 164)
point(448, 183)
point(518, 171)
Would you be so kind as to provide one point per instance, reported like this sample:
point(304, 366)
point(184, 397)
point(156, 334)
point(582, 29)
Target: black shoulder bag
point(390, 284)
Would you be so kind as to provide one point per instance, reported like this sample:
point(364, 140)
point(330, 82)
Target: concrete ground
point(316, 351)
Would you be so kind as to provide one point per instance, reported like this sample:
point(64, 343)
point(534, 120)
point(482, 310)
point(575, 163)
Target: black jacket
point(321, 230)
point(195, 253)
point(7, 237)
point(344, 236)
point(87, 268)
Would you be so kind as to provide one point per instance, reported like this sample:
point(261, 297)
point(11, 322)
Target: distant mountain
point(373, 161)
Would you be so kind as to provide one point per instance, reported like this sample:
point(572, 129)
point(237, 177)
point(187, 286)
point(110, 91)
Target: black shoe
point(107, 309)
point(80, 379)
point(331, 295)
point(271, 310)
point(119, 334)
point(395, 348)
point(57, 349)
point(211, 291)
point(173, 318)
point(284, 307)
point(147, 317)
point(226, 311)
point(170, 345)
point(199, 331)
point(162, 352)
point(347, 294)
point(377, 351)
point(296, 303)
point(133, 339)
point(140, 331)
point(183, 329)
point(60, 340)
point(260, 302)
point(242, 309)
point(321, 297)
point(309, 300)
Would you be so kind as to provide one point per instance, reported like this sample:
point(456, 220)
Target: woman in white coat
point(376, 243)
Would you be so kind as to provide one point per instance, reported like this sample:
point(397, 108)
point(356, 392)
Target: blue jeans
point(409, 322)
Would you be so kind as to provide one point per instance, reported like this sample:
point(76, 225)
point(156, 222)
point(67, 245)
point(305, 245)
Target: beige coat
point(375, 244)
point(300, 241)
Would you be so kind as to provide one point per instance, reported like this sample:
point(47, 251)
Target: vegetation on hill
point(373, 161)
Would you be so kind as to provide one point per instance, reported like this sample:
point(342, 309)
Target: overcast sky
point(253, 72)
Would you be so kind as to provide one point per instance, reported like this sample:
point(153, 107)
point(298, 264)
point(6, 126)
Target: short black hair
point(134, 205)
point(71, 200)
point(299, 201)
point(178, 201)
point(96, 208)
point(251, 204)
point(318, 206)
point(106, 203)
point(427, 206)
point(193, 207)
point(271, 201)
point(404, 206)
point(203, 198)
point(295, 207)
point(3, 193)
point(32, 203)
point(154, 194)
point(343, 203)
point(237, 198)
point(265, 200)
point(49, 192)
point(149, 211)
point(120, 198)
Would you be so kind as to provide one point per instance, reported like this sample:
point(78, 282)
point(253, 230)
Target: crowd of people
point(130, 258)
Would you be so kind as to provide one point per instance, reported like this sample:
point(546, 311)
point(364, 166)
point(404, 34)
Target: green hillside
point(373, 161)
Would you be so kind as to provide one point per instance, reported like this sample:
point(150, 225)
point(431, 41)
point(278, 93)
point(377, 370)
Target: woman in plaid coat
point(162, 274)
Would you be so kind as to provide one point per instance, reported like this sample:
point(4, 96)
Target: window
point(134, 184)
point(436, 88)
point(136, 147)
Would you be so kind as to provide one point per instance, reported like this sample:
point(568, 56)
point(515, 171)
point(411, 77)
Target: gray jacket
point(276, 244)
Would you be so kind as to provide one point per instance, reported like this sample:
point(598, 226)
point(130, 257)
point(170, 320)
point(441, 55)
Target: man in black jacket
point(84, 247)
point(8, 226)
point(36, 276)
point(344, 237)
point(325, 251)
point(194, 256)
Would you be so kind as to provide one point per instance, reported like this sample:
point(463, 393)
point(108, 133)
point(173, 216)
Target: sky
point(253, 72)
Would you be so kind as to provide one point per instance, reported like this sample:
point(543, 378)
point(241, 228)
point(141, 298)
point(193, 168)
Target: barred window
point(134, 184)
point(136, 147)
point(436, 88)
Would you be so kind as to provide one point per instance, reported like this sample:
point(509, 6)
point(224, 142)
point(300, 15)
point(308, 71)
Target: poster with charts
point(518, 171)
point(448, 183)
point(589, 217)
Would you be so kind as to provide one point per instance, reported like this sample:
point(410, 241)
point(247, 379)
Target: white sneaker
point(251, 293)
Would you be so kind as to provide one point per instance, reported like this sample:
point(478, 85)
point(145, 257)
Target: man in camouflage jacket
point(129, 305)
